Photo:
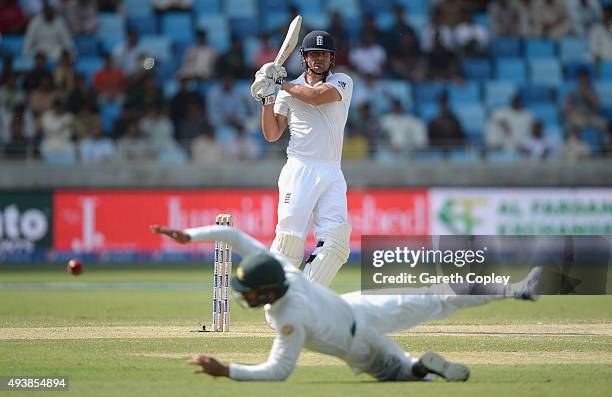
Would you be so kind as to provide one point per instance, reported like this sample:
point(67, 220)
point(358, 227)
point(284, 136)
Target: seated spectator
point(80, 95)
point(157, 127)
point(109, 81)
point(582, 107)
point(356, 146)
point(404, 131)
point(585, 14)
point(365, 124)
point(58, 128)
point(108, 5)
point(265, 52)
point(205, 149)
point(11, 96)
point(575, 148)
point(407, 62)
point(95, 148)
point(437, 31)
point(471, 39)
point(192, 124)
point(525, 21)
point(509, 126)
point(12, 19)
point(81, 16)
point(600, 37)
point(133, 146)
point(243, 147)
point(398, 31)
point(48, 33)
point(128, 55)
point(504, 15)
point(227, 104)
point(442, 63)
point(550, 18)
point(33, 78)
point(179, 105)
point(172, 5)
point(42, 97)
point(370, 28)
point(86, 120)
point(445, 130)
point(368, 89)
point(338, 31)
point(537, 146)
point(18, 145)
point(64, 75)
point(232, 61)
point(199, 60)
point(8, 68)
point(369, 57)
point(144, 93)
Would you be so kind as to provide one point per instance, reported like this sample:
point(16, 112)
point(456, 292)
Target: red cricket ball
point(75, 266)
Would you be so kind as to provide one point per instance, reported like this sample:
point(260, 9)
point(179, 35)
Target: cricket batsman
point(351, 327)
point(312, 188)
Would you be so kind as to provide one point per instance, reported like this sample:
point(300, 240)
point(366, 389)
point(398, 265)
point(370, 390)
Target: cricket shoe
point(451, 371)
point(528, 288)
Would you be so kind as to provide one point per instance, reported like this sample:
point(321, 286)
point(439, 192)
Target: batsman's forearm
point(310, 95)
point(269, 124)
point(241, 242)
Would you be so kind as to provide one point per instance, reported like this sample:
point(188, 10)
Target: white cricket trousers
point(311, 192)
point(372, 351)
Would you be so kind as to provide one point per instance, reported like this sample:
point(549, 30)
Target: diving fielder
point(352, 327)
point(312, 189)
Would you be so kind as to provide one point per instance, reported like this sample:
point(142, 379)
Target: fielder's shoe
point(451, 371)
point(528, 288)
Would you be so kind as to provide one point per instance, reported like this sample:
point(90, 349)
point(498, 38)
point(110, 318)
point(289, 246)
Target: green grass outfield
point(125, 331)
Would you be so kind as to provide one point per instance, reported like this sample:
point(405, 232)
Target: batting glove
point(257, 85)
point(267, 93)
point(274, 72)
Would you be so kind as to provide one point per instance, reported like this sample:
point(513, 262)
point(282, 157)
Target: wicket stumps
point(222, 271)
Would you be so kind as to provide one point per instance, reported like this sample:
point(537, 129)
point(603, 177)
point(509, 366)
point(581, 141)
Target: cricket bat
point(291, 40)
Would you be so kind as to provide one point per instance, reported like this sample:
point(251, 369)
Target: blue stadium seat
point(472, 118)
point(137, 8)
point(22, 64)
point(171, 87)
point(384, 20)
point(249, 47)
point(553, 132)
point(506, 47)
point(174, 156)
point(477, 69)
point(12, 44)
point(347, 8)
point(308, 6)
point(111, 30)
point(376, 7)
point(418, 22)
point(420, 7)
point(573, 49)
point(428, 110)
point(463, 156)
point(64, 157)
point(605, 70)
point(177, 26)
point(428, 92)
point(180, 48)
point(532, 94)
point(89, 66)
point(241, 8)
point(499, 93)
point(563, 90)
point(463, 94)
point(275, 20)
point(604, 91)
point(217, 30)
point(144, 25)
point(511, 69)
point(572, 68)
point(395, 89)
point(316, 20)
point(271, 6)
point(160, 47)
point(593, 138)
point(545, 72)
point(545, 112)
point(539, 48)
point(206, 6)
point(244, 26)
point(87, 46)
point(482, 19)
point(109, 111)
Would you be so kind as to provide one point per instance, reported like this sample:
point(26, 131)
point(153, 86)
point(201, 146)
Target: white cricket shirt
point(316, 132)
point(308, 315)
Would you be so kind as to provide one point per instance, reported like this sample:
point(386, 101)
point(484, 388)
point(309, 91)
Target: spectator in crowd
point(12, 20)
point(11, 96)
point(370, 28)
point(19, 145)
point(550, 18)
point(265, 53)
point(232, 62)
point(437, 31)
point(42, 97)
point(392, 37)
point(48, 33)
point(445, 130)
point(157, 127)
point(179, 104)
point(369, 57)
point(403, 131)
point(367, 90)
point(582, 107)
point(32, 8)
point(95, 148)
point(199, 60)
point(365, 124)
point(509, 126)
point(58, 128)
point(585, 14)
point(205, 149)
point(575, 148)
point(108, 5)
point(471, 39)
point(341, 39)
point(64, 76)
point(537, 146)
point(243, 147)
point(133, 146)
point(442, 63)
point(144, 93)
point(356, 146)
point(109, 81)
point(81, 16)
point(192, 125)
point(86, 120)
point(33, 78)
point(525, 22)
point(172, 5)
point(8, 68)
point(128, 55)
point(81, 94)
point(504, 15)
point(407, 62)
point(600, 37)
point(226, 104)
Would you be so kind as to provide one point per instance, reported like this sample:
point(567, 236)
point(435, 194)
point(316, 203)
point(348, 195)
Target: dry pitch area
point(126, 332)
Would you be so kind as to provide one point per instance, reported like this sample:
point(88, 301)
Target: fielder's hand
point(209, 365)
point(174, 234)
